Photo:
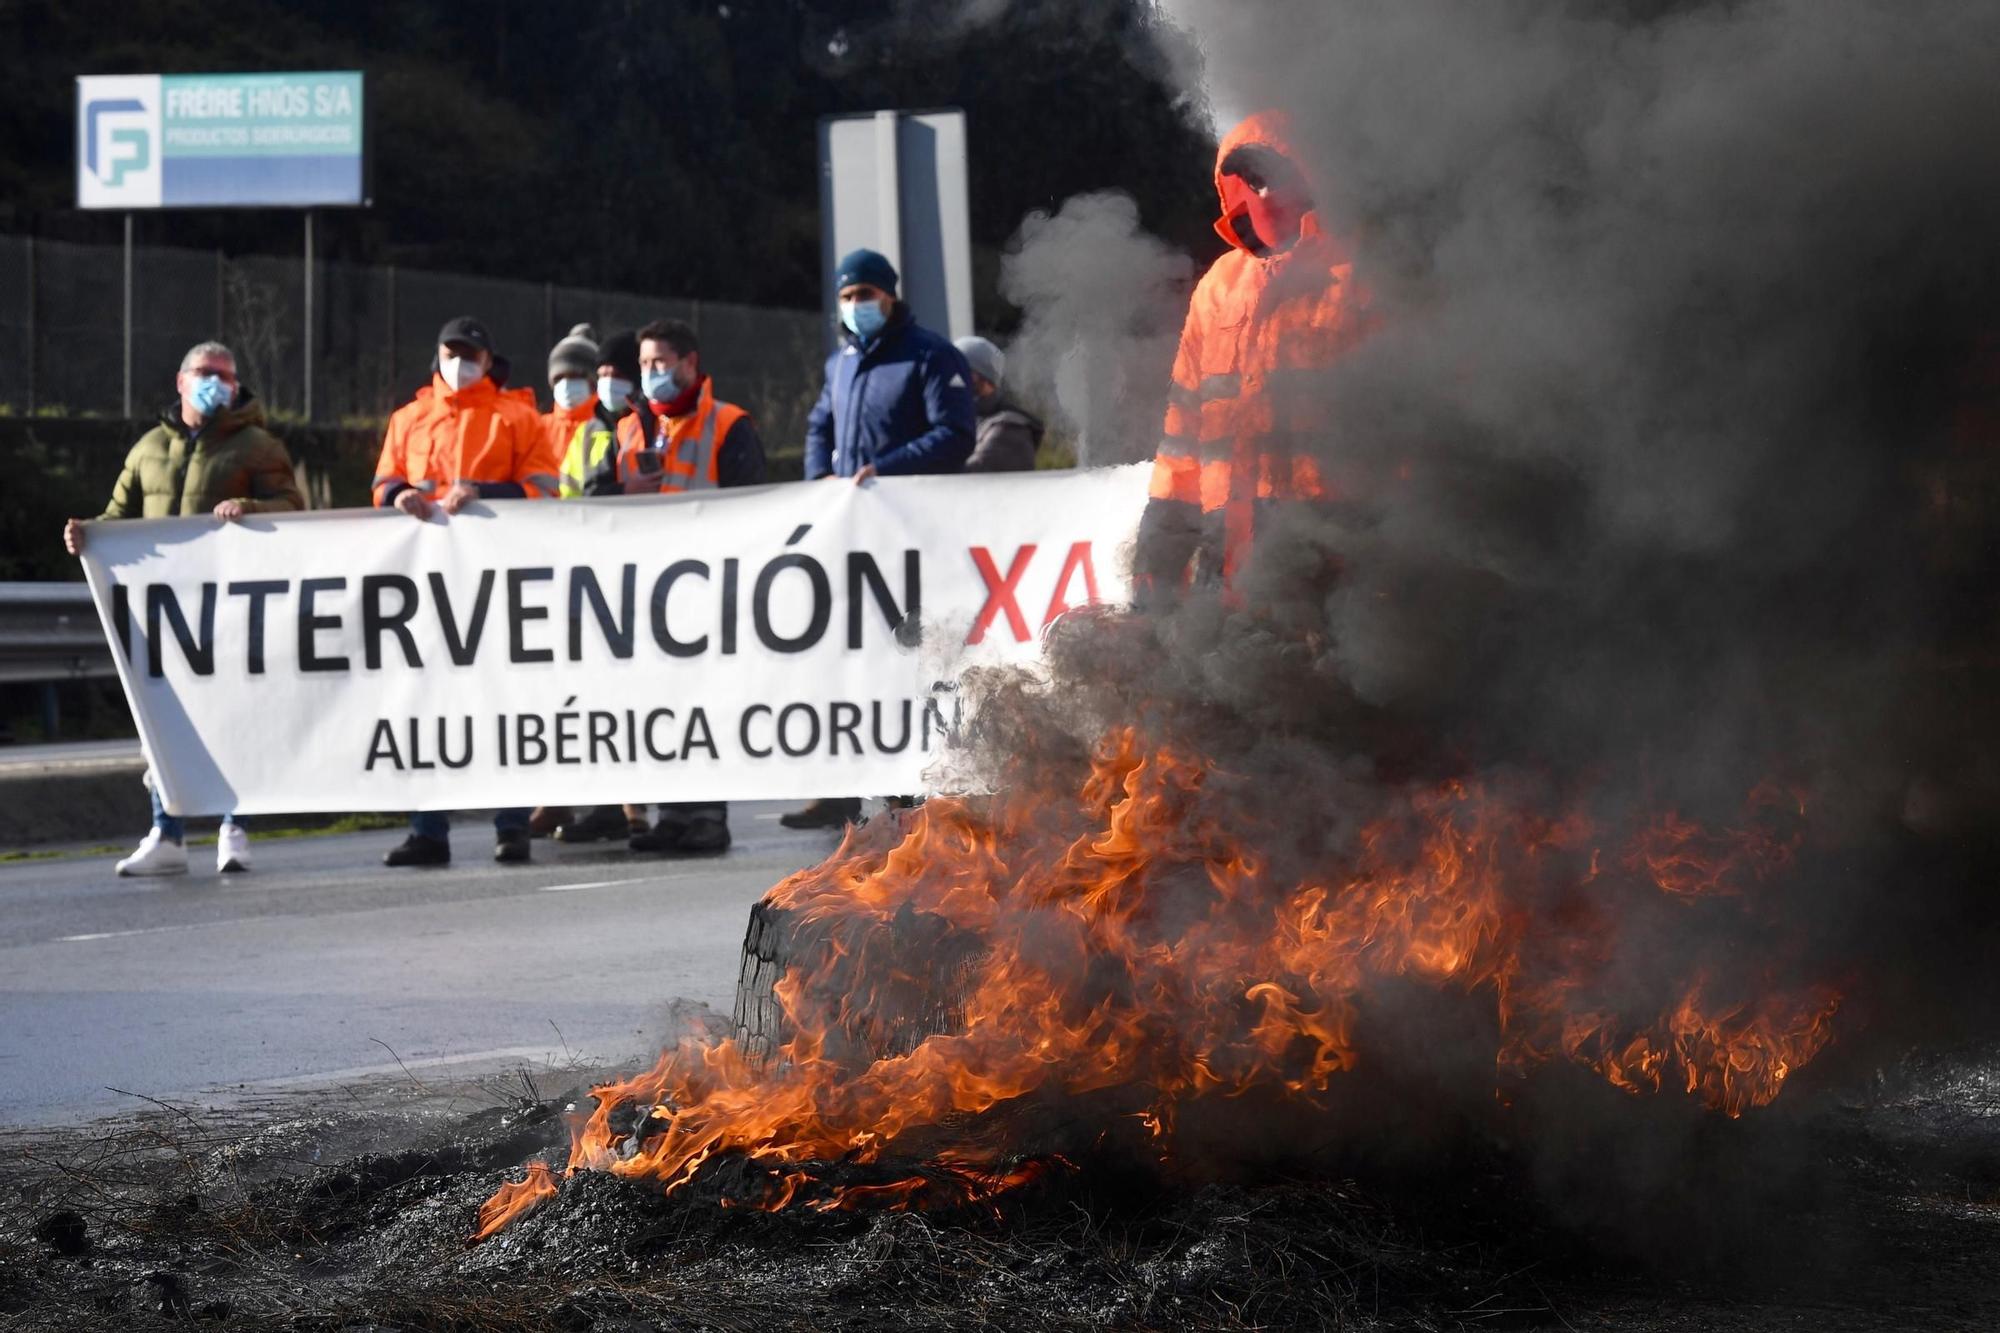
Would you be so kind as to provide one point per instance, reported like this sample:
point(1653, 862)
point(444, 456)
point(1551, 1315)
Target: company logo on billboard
point(117, 140)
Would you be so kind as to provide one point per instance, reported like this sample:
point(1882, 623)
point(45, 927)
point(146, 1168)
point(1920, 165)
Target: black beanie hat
point(621, 352)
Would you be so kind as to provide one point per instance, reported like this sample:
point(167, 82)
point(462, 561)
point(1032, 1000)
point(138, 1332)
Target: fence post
point(548, 314)
point(32, 294)
point(127, 400)
point(221, 297)
point(390, 372)
point(309, 316)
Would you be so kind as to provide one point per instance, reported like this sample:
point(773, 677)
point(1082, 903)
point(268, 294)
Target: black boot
point(599, 823)
point(827, 812)
point(511, 846)
point(417, 850)
point(705, 835)
point(664, 836)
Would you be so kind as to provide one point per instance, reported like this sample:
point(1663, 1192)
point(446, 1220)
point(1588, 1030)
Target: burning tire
point(897, 980)
point(766, 953)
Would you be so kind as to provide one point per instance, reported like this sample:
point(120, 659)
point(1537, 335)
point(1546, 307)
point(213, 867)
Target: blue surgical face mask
point(864, 319)
point(571, 392)
point(211, 394)
point(612, 392)
point(663, 386)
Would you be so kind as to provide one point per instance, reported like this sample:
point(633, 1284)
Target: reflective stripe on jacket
point(480, 434)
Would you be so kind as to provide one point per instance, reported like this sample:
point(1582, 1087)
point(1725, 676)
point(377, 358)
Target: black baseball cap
point(465, 329)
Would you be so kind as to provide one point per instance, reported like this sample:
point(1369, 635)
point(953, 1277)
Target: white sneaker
point(156, 856)
point(232, 849)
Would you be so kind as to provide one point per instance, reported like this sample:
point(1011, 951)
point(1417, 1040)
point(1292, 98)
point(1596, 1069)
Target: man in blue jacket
point(898, 398)
point(897, 402)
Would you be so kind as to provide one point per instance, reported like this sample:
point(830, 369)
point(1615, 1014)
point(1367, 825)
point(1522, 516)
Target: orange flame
point(1685, 858)
point(515, 1198)
point(1139, 937)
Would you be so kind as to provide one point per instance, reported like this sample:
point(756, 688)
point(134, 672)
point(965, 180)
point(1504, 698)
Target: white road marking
point(613, 883)
point(126, 934)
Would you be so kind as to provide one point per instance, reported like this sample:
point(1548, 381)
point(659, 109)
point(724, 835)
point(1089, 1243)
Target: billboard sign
point(219, 140)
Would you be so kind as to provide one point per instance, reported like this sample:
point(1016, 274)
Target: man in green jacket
point(210, 454)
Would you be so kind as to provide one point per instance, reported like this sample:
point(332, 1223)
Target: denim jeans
point(437, 823)
point(170, 827)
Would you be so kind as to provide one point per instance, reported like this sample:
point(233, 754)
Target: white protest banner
point(717, 646)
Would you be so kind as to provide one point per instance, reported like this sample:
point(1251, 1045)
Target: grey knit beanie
point(576, 354)
point(985, 359)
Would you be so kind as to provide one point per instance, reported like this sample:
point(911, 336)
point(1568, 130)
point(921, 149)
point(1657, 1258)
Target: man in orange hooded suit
point(1245, 411)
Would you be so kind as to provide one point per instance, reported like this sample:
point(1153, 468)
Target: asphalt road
point(322, 965)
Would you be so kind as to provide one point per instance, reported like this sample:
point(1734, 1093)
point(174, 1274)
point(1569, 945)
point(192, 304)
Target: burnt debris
point(1900, 1229)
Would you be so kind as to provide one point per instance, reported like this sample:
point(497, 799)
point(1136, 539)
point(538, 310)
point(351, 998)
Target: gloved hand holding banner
point(714, 646)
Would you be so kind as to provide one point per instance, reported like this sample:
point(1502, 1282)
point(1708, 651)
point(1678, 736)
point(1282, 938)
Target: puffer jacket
point(901, 401)
point(167, 474)
point(1008, 439)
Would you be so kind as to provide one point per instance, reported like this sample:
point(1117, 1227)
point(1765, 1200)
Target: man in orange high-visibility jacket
point(697, 441)
point(463, 438)
point(1244, 414)
point(690, 440)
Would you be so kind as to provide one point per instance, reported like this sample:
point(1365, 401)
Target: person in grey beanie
point(573, 385)
point(1007, 437)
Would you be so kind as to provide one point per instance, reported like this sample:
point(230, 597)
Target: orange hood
point(1266, 129)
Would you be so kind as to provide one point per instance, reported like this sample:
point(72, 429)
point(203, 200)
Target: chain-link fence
point(62, 333)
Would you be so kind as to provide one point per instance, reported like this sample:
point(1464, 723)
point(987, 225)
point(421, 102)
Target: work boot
point(664, 836)
point(705, 835)
point(698, 835)
point(417, 850)
point(157, 854)
point(827, 812)
point(511, 847)
point(598, 823)
point(547, 819)
point(232, 849)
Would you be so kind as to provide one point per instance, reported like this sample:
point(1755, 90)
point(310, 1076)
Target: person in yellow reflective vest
point(590, 467)
point(590, 460)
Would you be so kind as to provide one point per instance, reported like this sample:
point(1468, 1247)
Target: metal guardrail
point(50, 632)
